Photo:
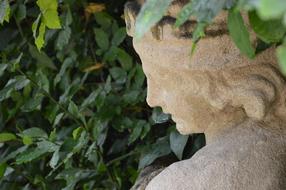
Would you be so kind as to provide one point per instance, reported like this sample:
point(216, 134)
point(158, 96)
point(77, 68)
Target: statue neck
point(226, 119)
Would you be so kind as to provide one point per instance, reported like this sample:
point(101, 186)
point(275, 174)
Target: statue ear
point(255, 104)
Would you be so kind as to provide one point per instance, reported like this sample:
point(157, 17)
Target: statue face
point(172, 85)
point(207, 89)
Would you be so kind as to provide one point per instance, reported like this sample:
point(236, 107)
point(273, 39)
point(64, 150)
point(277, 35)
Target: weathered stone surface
point(238, 103)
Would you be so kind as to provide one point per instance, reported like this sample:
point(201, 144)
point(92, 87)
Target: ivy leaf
point(4, 137)
point(4, 11)
point(269, 31)
point(239, 33)
point(151, 12)
point(178, 143)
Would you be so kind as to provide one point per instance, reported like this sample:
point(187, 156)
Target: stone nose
point(131, 10)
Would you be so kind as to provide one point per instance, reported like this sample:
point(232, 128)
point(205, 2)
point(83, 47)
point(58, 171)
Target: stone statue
point(238, 103)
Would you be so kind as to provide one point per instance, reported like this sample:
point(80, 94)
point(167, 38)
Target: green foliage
point(4, 11)
point(270, 31)
point(239, 33)
point(151, 12)
point(73, 115)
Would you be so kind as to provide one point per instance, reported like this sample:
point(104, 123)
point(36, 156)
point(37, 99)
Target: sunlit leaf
point(239, 33)
point(4, 137)
point(151, 12)
point(281, 53)
point(269, 31)
point(4, 11)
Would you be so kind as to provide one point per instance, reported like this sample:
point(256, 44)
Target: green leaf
point(206, 10)
point(4, 137)
point(281, 54)
point(3, 67)
point(160, 148)
point(118, 36)
point(58, 119)
point(178, 143)
point(47, 146)
point(33, 103)
point(40, 41)
point(35, 26)
point(21, 12)
point(136, 132)
point(90, 99)
point(101, 39)
point(43, 81)
point(50, 14)
point(35, 132)
point(42, 58)
point(63, 38)
point(66, 64)
point(27, 140)
point(4, 11)
point(151, 12)
point(118, 74)
point(51, 19)
point(270, 31)
point(158, 116)
point(99, 131)
point(77, 132)
point(184, 14)
point(271, 9)
point(3, 167)
point(239, 33)
point(29, 155)
point(15, 153)
point(73, 109)
point(124, 58)
point(14, 84)
point(55, 159)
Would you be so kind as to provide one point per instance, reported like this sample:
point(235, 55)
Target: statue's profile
point(240, 105)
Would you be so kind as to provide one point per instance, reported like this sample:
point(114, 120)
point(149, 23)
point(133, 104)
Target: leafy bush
point(73, 112)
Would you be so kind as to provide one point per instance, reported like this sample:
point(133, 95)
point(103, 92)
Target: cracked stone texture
point(238, 103)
